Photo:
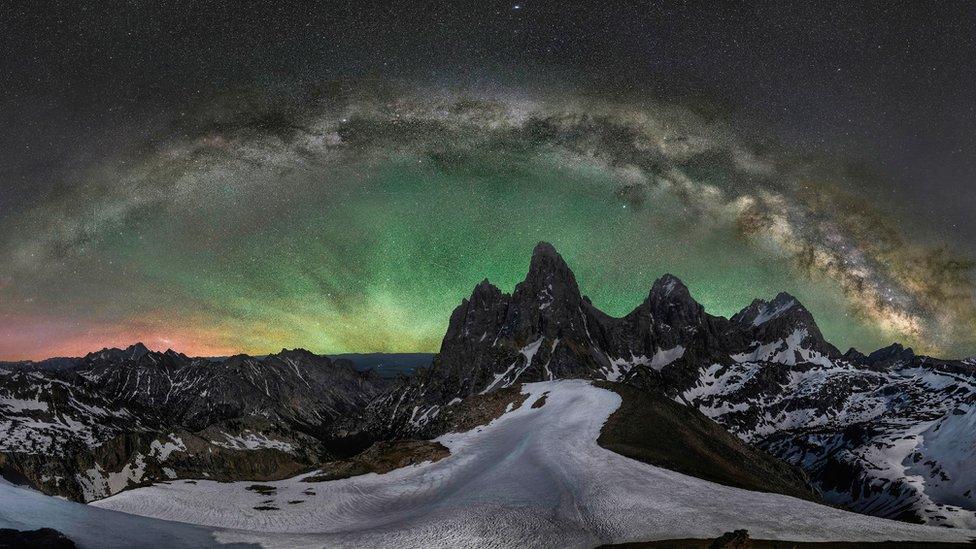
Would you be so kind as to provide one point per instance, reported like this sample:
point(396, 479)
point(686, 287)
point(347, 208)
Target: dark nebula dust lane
point(227, 187)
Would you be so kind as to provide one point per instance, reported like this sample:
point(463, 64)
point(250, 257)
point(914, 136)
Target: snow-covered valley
point(533, 477)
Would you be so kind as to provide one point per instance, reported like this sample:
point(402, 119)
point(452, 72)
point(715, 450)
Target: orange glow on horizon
point(38, 338)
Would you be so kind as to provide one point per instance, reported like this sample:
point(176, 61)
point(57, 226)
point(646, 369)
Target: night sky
point(221, 178)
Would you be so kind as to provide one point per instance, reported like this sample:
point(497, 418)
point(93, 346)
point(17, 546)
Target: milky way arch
point(353, 218)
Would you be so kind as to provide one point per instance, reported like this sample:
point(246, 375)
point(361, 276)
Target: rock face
point(547, 330)
point(737, 539)
point(43, 537)
point(870, 430)
point(122, 417)
point(381, 457)
point(294, 387)
point(537, 333)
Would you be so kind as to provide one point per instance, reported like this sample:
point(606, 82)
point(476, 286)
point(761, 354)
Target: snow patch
point(20, 405)
point(784, 351)
point(250, 440)
point(511, 375)
point(89, 526)
point(96, 483)
point(545, 298)
point(768, 312)
point(944, 456)
point(162, 450)
point(663, 357)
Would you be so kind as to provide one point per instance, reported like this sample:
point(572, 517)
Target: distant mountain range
point(386, 365)
point(890, 433)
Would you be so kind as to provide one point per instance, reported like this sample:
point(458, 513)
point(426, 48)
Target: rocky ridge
point(123, 417)
point(888, 433)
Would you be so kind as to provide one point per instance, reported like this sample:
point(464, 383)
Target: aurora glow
point(356, 220)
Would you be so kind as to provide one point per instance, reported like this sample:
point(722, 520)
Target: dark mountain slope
point(122, 417)
point(652, 428)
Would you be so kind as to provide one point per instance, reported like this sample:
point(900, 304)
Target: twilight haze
point(338, 177)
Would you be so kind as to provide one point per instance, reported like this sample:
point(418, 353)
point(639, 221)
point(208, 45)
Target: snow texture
point(772, 310)
point(250, 440)
point(789, 351)
point(662, 357)
point(93, 528)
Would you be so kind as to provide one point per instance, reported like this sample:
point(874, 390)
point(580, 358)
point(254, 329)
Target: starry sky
point(219, 178)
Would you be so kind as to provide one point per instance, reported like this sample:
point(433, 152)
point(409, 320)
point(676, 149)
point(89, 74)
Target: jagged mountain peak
point(485, 292)
point(137, 350)
point(784, 299)
point(670, 302)
point(133, 352)
point(669, 285)
point(548, 278)
point(239, 358)
point(853, 355)
point(760, 311)
point(547, 261)
point(297, 351)
point(890, 355)
point(783, 318)
point(669, 288)
point(544, 248)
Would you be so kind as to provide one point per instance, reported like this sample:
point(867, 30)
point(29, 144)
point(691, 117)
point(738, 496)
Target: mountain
point(869, 430)
point(873, 441)
point(294, 387)
point(388, 365)
point(888, 433)
point(54, 364)
point(123, 417)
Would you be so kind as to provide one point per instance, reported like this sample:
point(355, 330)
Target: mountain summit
point(783, 317)
point(547, 330)
point(767, 374)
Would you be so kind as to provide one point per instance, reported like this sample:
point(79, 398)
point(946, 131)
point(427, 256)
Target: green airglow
point(376, 260)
